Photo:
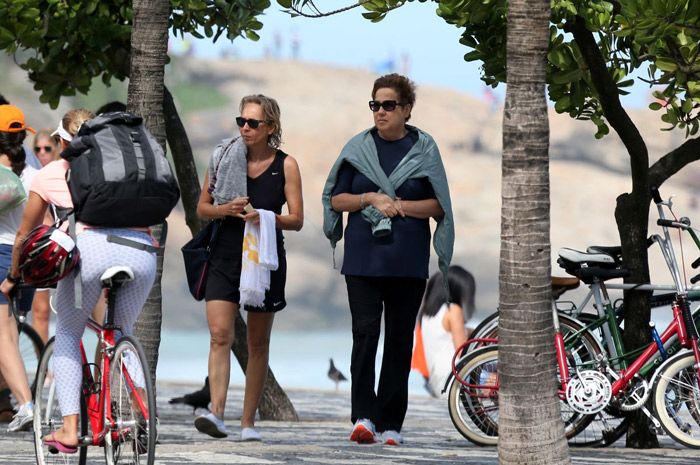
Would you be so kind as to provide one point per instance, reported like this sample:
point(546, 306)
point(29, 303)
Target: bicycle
point(590, 390)
point(115, 413)
point(29, 341)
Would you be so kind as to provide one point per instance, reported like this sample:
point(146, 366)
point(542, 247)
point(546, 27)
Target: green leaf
point(565, 77)
point(666, 64)
point(562, 105)
point(687, 106)
point(655, 106)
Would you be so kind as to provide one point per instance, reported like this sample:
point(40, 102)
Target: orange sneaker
point(363, 432)
point(392, 438)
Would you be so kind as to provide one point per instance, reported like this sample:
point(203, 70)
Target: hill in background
point(322, 107)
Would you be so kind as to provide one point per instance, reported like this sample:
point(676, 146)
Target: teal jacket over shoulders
point(422, 161)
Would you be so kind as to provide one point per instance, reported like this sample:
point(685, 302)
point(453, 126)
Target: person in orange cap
point(13, 131)
point(12, 120)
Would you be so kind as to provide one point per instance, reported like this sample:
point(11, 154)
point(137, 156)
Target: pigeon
point(336, 375)
point(196, 399)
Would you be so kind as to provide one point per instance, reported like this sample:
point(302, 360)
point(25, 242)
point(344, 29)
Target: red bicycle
point(117, 405)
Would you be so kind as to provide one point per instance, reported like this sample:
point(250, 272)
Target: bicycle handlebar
point(695, 279)
point(672, 224)
point(655, 194)
point(696, 263)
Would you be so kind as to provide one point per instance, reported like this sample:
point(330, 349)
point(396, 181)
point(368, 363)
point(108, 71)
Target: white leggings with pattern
point(96, 255)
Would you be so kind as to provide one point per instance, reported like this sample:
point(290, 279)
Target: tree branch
point(300, 12)
point(612, 108)
point(673, 161)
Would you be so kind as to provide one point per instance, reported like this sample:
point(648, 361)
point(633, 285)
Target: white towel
point(259, 258)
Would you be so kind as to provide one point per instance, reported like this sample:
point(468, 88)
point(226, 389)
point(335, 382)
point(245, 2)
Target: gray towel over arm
point(228, 169)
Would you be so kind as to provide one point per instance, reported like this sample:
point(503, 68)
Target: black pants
point(399, 299)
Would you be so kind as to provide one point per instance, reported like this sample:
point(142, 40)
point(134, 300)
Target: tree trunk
point(633, 232)
point(185, 167)
point(530, 428)
point(274, 405)
point(149, 50)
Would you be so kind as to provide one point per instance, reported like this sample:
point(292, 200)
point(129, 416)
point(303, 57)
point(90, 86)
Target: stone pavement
point(321, 437)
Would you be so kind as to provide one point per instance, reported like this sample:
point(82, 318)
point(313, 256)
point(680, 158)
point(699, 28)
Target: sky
point(418, 42)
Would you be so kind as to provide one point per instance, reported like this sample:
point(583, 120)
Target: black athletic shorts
point(225, 259)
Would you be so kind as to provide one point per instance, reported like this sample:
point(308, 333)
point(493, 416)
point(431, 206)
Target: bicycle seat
point(582, 258)
point(116, 276)
point(561, 285)
point(613, 251)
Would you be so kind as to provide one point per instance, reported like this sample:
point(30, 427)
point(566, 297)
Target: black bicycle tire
point(24, 328)
point(46, 355)
point(150, 397)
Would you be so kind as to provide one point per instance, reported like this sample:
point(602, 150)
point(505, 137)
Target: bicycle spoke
point(131, 405)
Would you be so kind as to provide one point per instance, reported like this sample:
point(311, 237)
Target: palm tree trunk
point(149, 50)
point(530, 428)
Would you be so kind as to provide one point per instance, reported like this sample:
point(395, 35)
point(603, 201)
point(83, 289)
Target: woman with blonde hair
point(254, 164)
point(96, 255)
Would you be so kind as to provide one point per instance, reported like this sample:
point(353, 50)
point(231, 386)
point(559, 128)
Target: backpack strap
point(135, 244)
point(77, 281)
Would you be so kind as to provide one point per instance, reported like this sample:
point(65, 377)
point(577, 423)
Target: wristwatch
point(11, 279)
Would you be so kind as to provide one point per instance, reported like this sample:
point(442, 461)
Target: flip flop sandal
point(55, 446)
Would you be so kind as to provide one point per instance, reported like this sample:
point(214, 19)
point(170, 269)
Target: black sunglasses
point(47, 148)
point(388, 105)
point(252, 123)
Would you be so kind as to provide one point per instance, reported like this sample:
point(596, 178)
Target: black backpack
point(119, 175)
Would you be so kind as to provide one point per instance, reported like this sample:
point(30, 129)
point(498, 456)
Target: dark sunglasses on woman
point(47, 149)
point(252, 123)
point(388, 105)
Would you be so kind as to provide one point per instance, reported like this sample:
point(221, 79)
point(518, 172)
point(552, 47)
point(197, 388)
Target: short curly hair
point(401, 84)
point(271, 114)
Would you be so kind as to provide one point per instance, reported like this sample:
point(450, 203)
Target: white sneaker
point(363, 432)
point(392, 438)
point(209, 424)
point(249, 434)
point(23, 419)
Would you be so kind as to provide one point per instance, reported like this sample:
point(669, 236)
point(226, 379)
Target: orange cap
point(12, 119)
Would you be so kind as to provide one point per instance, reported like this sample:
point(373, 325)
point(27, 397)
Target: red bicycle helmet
point(47, 255)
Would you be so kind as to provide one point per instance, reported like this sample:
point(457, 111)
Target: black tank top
point(267, 190)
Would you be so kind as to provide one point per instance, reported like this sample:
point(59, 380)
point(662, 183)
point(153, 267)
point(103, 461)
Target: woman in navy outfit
point(386, 258)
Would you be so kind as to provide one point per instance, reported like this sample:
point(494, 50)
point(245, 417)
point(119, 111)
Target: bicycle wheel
point(474, 411)
point(30, 348)
point(48, 417)
point(475, 414)
point(600, 429)
point(486, 329)
point(132, 405)
point(676, 397)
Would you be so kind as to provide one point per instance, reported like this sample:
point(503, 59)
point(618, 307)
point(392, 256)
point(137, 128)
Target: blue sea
point(297, 359)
